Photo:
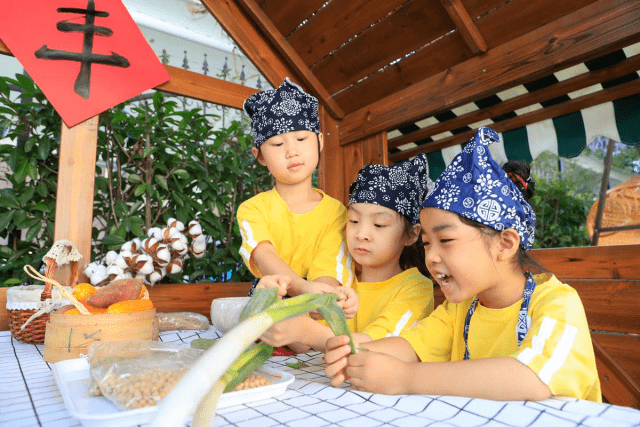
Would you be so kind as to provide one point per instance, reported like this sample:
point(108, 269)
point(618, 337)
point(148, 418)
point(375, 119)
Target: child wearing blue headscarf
point(293, 233)
point(503, 333)
point(383, 238)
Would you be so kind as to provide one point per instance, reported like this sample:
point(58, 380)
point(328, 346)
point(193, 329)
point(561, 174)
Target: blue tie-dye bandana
point(475, 186)
point(285, 109)
point(399, 187)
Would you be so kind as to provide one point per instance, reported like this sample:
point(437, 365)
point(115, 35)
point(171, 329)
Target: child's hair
point(520, 173)
point(413, 255)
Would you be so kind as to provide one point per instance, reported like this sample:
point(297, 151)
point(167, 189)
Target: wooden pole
point(603, 192)
point(76, 179)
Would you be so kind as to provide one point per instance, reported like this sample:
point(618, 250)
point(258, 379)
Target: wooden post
point(76, 179)
point(603, 192)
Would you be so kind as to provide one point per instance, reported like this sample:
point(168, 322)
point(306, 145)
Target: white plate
point(72, 377)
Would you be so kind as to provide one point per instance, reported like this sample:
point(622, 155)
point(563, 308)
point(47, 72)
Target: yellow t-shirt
point(312, 244)
point(388, 308)
point(557, 346)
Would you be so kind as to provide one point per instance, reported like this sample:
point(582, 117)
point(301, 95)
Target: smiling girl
point(383, 238)
point(502, 333)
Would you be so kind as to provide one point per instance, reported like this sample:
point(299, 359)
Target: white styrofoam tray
point(72, 377)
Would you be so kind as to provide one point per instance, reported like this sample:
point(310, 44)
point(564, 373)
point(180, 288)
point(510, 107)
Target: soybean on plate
point(72, 378)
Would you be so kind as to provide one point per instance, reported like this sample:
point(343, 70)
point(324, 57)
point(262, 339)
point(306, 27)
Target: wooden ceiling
point(379, 66)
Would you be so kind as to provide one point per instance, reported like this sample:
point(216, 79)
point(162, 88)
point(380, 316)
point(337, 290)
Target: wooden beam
point(465, 25)
point(250, 40)
point(285, 49)
point(331, 167)
point(4, 49)
point(205, 88)
point(581, 81)
point(74, 199)
point(577, 104)
point(617, 385)
point(566, 41)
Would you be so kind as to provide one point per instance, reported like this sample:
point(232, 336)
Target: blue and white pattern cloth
point(399, 187)
point(476, 187)
point(285, 109)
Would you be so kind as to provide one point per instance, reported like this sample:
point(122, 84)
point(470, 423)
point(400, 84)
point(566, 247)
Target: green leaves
point(154, 162)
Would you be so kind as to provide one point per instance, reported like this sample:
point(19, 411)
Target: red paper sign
point(85, 55)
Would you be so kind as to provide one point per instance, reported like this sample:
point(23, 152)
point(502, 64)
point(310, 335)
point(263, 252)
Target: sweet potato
point(116, 291)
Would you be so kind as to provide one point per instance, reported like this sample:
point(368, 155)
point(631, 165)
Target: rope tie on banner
point(50, 305)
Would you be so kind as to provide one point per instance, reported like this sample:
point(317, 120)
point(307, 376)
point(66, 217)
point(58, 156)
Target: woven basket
point(621, 207)
point(34, 332)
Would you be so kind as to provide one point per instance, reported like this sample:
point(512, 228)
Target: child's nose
point(430, 256)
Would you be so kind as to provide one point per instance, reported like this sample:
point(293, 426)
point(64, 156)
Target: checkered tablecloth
point(29, 397)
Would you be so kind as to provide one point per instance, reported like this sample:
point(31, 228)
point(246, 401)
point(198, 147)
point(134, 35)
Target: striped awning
point(565, 136)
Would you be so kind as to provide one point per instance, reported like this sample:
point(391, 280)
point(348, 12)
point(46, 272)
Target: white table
point(29, 397)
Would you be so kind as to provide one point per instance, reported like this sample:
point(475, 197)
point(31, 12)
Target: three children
point(503, 333)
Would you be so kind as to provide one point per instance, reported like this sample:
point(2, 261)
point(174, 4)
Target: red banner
point(85, 55)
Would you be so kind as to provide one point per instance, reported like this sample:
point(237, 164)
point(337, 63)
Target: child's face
point(291, 157)
point(375, 235)
point(457, 255)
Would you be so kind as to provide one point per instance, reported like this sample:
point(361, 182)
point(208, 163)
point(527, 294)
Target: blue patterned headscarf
point(285, 109)
point(399, 187)
point(476, 187)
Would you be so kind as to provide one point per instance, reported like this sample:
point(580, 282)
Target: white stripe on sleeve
point(560, 354)
point(339, 266)
point(401, 324)
point(248, 233)
point(537, 342)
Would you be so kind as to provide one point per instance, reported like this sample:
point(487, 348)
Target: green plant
point(561, 215)
point(155, 161)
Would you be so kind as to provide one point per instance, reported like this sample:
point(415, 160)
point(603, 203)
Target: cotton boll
point(154, 232)
point(175, 224)
point(179, 246)
point(127, 246)
point(136, 244)
point(146, 267)
point(174, 267)
point(111, 257)
point(201, 238)
point(163, 256)
point(121, 262)
point(198, 246)
point(98, 277)
point(90, 268)
point(195, 229)
point(150, 245)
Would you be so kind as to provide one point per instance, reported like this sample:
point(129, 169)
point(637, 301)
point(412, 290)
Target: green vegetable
point(299, 364)
point(235, 356)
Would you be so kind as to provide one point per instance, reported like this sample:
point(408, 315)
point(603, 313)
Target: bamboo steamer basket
point(70, 335)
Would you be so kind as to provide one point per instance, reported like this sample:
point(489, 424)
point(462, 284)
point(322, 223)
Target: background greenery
point(155, 161)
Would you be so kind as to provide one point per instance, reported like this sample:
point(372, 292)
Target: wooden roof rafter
point(602, 25)
point(467, 28)
point(572, 84)
point(283, 46)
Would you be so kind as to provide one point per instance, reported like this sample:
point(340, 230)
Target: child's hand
point(278, 281)
point(378, 373)
point(284, 333)
point(349, 301)
point(337, 359)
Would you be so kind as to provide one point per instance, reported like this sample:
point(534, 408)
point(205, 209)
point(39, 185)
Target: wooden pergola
point(378, 66)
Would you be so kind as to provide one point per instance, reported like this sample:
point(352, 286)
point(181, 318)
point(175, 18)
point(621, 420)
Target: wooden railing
point(607, 279)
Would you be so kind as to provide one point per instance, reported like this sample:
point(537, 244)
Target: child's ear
point(509, 244)
point(257, 155)
point(320, 141)
point(413, 236)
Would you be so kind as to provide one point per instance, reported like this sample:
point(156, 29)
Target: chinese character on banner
point(86, 55)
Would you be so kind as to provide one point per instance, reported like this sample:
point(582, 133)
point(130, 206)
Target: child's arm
point(497, 378)
point(268, 262)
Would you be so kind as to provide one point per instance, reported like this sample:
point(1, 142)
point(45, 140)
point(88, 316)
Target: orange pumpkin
point(83, 291)
point(130, 306)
